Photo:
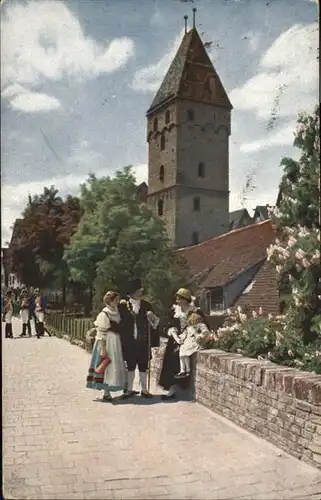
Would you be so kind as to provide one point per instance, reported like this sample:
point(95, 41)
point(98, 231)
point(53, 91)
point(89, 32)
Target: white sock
point(172, 390)
point(187, 364)
point(130, 380)
point(182, 363)
point(142, 378)
point(106, 392)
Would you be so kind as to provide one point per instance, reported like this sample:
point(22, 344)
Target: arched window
point(190, 115)
point(162, 142)
point(161, 173)
point(196, 204)
point(167, 116)
point(201, 170)
point(195, 238)
point(155, 124)
point(160, 207)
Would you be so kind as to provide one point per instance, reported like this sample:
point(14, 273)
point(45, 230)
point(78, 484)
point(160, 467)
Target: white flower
point(270, 316)
point(243, 317)
point(254, 314)
point(265, 338)
point(290, 353)
point(261, 311)
point(229, 312)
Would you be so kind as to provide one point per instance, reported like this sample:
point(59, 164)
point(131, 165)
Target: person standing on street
point(24, 311)
point(40, 306)
point(139, 333)
point(8, 312)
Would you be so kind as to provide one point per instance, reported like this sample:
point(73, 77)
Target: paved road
point(59, 443)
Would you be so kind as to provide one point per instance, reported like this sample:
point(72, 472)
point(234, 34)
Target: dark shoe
point(181, 375)
point(107, 399)
point(165, 397)
point(146, 394)
point(128, 394)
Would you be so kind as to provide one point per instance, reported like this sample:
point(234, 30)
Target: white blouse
point(102, 322)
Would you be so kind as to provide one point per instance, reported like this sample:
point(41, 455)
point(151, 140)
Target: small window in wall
point(217, 299)
point(161, 173)
point(155, 124)
point(196, 204)
point(160, 207)
point(167, 116)
point(190, 115)
point(195, 238)
point(201, 170)
point(162, 142)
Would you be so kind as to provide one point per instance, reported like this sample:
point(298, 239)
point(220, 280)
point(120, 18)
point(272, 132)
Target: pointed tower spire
point(185, 17)
point(194, 15)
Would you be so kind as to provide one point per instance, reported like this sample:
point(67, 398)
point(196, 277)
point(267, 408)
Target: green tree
point(119, 238)
point(46, 226)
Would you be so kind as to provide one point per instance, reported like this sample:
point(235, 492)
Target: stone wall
point(279, 404)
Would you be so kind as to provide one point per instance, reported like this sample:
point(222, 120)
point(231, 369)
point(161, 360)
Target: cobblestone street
point(60, 443)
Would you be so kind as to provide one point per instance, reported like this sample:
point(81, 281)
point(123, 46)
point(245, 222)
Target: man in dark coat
point(139, 333)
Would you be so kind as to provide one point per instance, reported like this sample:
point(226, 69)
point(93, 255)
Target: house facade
point(232, 270)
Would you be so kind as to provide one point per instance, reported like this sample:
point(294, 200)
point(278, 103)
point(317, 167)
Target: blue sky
point(77, 77)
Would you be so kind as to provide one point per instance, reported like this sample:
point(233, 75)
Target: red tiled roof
point(221, 259)
point(264, 293)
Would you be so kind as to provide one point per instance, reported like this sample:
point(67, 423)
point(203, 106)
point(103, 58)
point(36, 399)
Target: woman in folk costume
point(178, 322)
point(24, 311)
point(139, 330)
point(8, 312)
point(107, 370)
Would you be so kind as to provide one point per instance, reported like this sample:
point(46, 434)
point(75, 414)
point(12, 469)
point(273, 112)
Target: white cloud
point(282, 137)
point(33, 102)
point(149, 79)
point(15, 197)
point(288, 76)
point(43, 40)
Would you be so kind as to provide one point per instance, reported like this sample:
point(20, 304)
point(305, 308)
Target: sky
point(77, 77)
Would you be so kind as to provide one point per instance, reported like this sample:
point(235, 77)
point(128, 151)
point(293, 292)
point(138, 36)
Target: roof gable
point(228, 255)
point(191, 76)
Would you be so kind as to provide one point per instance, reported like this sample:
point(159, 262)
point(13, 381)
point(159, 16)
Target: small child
point(188, 342)
point(8, 312)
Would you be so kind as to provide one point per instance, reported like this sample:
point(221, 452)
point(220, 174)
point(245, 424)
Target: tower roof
point(191, 76)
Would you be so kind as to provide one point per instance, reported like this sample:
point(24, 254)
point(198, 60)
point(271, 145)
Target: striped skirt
point(114, 377)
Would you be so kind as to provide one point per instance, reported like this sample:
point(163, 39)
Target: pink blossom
point(291, 241)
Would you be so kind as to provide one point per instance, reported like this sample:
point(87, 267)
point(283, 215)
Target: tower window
point(161, 173)
point(160, 207)
point(196, 204)
point(190, 115)
point(195, 238)
point(201, 170)
point(167, 116)
point(162, 142)
point(155, 124)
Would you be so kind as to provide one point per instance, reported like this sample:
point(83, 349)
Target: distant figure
point(8, 312)
point(40, 307)
point(24, 311)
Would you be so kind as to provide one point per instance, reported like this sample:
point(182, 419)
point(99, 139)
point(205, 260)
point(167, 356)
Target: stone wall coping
point(305, 386)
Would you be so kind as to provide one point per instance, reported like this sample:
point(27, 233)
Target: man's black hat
point(134, 285)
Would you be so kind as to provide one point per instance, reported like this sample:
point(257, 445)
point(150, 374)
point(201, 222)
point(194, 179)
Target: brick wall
point(279, 404)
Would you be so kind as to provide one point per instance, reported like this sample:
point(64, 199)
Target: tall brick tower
point(188, 136)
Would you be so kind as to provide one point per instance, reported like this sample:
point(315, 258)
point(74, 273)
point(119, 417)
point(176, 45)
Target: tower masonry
point(188, 155)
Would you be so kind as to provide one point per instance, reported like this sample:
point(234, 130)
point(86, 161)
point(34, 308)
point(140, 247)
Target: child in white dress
point(188, 342)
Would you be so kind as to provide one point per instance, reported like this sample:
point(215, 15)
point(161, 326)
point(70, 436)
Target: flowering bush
point(295, 338)
point(266, 338)
point(296, 254)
